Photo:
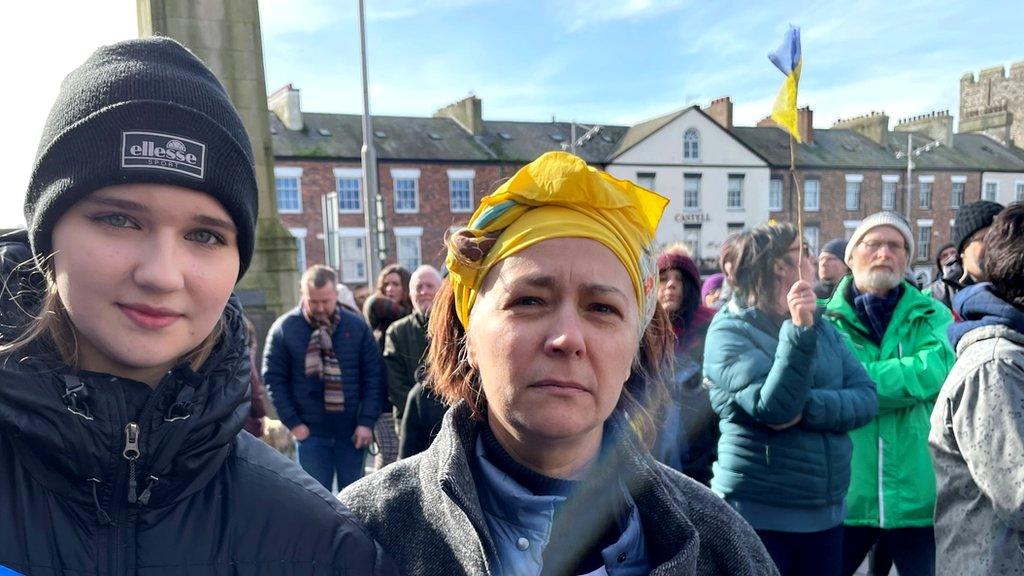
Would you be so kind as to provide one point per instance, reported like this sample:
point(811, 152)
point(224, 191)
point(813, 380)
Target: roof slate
point(444, 140)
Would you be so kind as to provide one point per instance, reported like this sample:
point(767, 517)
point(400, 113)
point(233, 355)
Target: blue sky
point(607, 61)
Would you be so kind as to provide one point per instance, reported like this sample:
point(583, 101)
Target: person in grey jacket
point(787, 390)
point(553, 365)
point(977, 428)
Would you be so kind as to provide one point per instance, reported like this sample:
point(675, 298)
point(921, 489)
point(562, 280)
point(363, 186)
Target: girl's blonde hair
point(51, 325)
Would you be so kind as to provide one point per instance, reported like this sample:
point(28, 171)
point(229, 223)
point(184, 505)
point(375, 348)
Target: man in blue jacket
point(324, 373)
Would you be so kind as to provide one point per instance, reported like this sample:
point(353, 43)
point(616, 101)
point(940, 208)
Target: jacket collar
point(979, 307)
point(911, 306)
point(673, 543)
point(70, 428)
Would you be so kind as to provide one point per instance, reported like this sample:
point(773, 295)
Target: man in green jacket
point(899, 335)
point(405, 341)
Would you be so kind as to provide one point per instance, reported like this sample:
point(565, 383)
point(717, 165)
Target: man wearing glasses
point(899, 334)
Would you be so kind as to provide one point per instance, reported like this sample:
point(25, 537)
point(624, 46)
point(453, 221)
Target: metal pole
point(910, 168)
point(369, 157)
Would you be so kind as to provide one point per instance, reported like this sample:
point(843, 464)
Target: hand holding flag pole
point(788, 58)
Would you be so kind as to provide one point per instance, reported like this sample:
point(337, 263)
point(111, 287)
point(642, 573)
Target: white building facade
point(714, 183)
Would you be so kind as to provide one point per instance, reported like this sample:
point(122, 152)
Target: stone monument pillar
point(225, 34)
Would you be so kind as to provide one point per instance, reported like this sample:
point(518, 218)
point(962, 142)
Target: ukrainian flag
point(788, 59)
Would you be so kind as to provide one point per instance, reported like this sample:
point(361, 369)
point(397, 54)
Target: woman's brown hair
point(404, 275)
point(52, 328)
point(756, 251)
point(452, 377)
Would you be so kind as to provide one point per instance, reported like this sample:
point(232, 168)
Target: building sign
point(692, 217)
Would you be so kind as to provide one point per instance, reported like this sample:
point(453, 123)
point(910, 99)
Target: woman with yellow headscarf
point(549, 344)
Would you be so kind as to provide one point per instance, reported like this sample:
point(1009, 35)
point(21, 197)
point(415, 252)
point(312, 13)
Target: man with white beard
point(899, 335)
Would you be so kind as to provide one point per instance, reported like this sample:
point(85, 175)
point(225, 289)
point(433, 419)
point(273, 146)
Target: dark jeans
point(324, 457)
point(805, 553)
point(912, 549)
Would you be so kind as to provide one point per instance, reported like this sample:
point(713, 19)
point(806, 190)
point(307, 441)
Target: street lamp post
point(376, 247)
point(909, 155)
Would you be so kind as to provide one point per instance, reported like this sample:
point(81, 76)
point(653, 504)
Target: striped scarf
point(321, 362)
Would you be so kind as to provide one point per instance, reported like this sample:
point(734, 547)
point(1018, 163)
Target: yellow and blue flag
point(788, 59)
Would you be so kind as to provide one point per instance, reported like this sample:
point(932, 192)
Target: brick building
point(431, 174)
point(852, 170)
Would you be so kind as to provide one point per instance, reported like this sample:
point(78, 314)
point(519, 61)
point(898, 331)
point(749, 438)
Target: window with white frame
point(849, 227)
point(691, 192)
point(691, 144)
point(924, 193)
point(460, 190)
point(734, 193)
point(775, 195)
point(407, 243)
point(924, 239)
point(958, 192)
point(645, 180)
point(811, 234)
point(352, 251)
point(691, 237)
point(1018, 195)
point(889, 191)
point(812, 195)
point(407, 193)
point(288, 183)
point(991, 191)
point(300, 248)
point(348, 183)
point(853, 182)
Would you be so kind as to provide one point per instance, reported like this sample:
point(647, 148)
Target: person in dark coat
point(831, 268)
point(388, 304)
point(553, 365)
point(421, 421)
point(124, 372)
point(689, 432)
point(405, 343)
point(968, 268)
point(326, 380)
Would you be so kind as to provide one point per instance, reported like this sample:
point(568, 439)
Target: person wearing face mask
point(899, 335)
point(787, 391)
point(124, 366)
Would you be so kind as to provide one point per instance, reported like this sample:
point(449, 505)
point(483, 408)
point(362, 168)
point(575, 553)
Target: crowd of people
point(616, 412)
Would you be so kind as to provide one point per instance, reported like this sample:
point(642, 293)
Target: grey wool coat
point(426, 514)
point(977, 447)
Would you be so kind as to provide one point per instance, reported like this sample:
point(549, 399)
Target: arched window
point(691, 144)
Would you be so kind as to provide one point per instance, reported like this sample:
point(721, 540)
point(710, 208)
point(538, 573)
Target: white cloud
point(40, 46)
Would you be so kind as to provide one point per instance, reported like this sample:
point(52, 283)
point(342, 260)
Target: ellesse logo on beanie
point(163, 152)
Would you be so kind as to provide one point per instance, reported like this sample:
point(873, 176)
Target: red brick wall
point(434, 216)
point(833, 201)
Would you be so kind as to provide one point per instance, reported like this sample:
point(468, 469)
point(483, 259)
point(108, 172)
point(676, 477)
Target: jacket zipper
point(131, 453)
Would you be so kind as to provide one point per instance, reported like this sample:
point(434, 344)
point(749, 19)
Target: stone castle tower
point(993, 104)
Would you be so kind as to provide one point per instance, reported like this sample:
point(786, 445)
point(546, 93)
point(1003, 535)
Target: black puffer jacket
point(100, 475)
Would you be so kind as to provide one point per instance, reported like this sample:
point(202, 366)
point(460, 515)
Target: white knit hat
point(881, 219)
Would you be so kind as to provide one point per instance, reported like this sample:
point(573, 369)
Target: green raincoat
point(892, 484)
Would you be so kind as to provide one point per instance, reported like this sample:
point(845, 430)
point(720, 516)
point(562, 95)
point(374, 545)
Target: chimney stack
point(874, 126)
point(937, 125)
point(804, 123)
point(720, 110)
point(467, 112)
point(285, 104)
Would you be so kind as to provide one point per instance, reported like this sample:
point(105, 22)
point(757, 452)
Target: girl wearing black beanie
point(124, 372)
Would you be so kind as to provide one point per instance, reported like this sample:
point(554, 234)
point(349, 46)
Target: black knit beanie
point(142, 111)
point(971, 218)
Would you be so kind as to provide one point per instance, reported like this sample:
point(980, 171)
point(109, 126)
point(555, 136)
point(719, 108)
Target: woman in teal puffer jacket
point(787, 390)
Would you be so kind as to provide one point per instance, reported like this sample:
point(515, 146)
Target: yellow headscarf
point(558, 196)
